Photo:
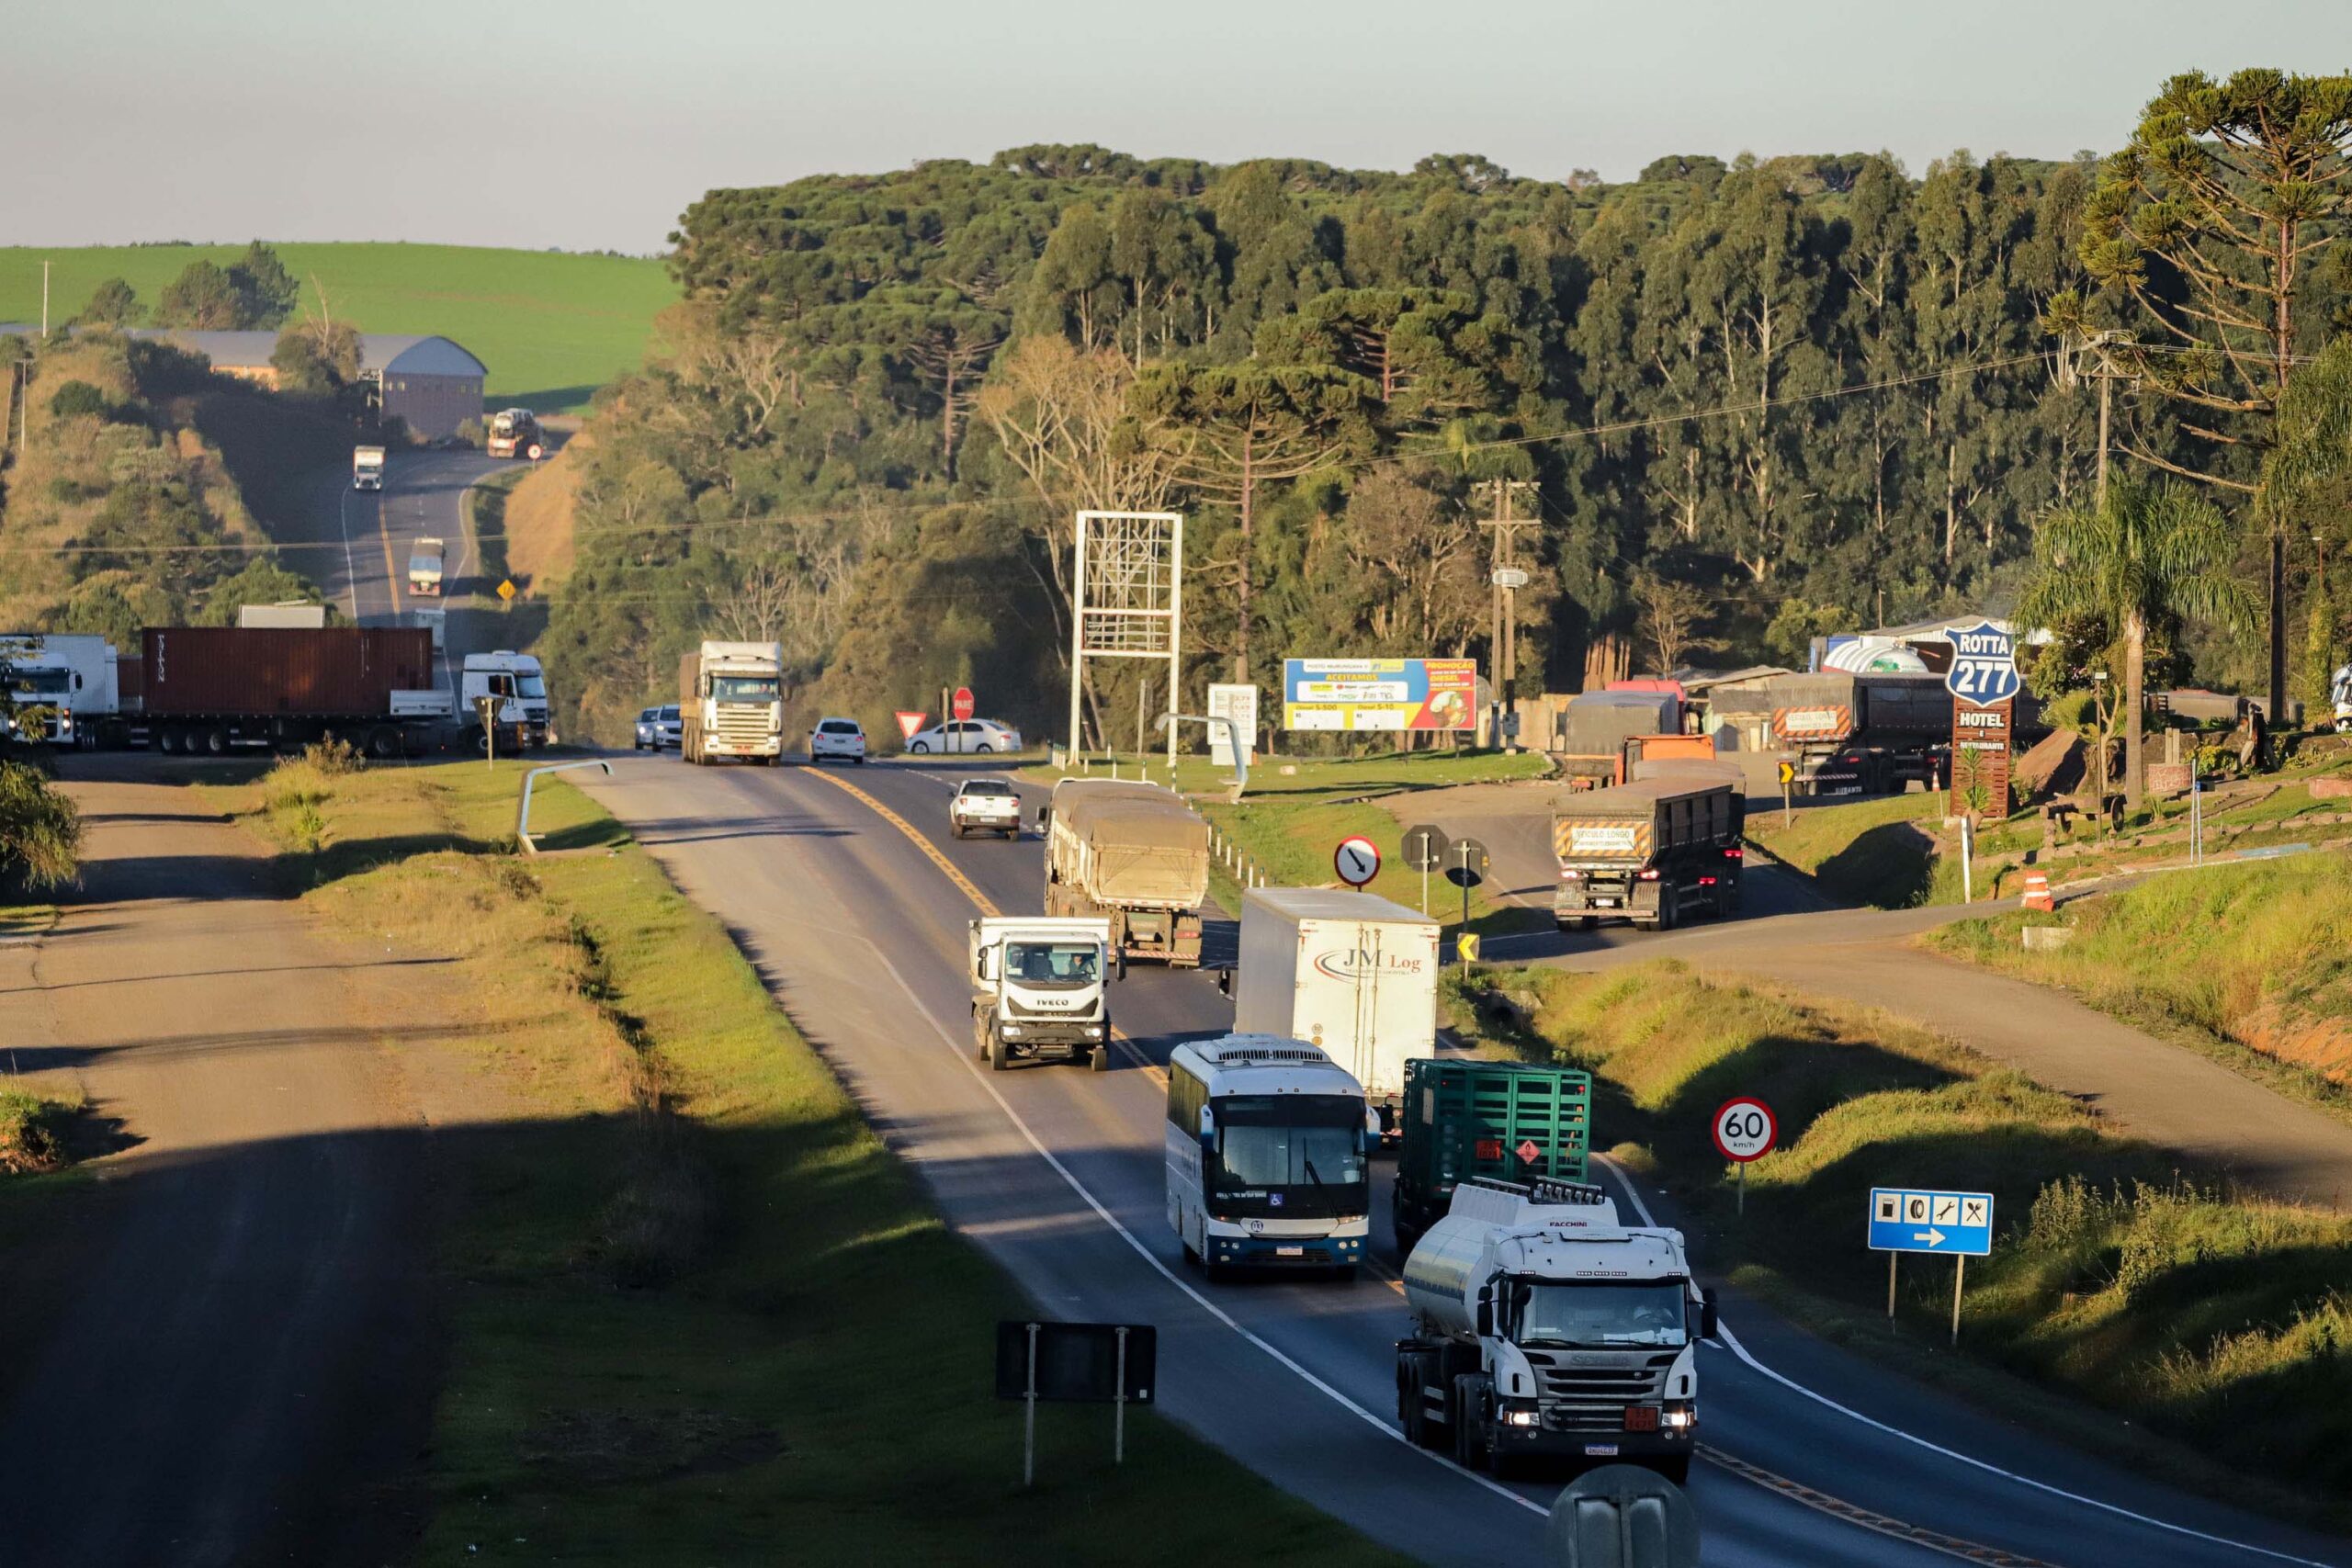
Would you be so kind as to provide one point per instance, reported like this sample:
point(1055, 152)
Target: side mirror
point(1486, 1311)
point(1371, 1133)
point(1123, 964)
point(1208, 1132)
point(1044, 817)
point(1225, 982)
point(1708, 1317)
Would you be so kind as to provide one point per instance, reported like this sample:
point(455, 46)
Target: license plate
point(1601, 1450)
point(1289, 1252)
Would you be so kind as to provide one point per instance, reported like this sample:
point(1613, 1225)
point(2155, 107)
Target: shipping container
point(1351, 973)
point(1504, 1120)
point(211, 688)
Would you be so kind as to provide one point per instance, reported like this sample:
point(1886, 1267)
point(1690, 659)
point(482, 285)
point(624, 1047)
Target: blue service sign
point(1983, 665)
point(1910, 1219)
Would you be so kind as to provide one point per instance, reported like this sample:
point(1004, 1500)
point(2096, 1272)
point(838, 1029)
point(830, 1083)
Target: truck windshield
point(36, 684)
point(1289, 1154)
point(1602, 1315)
point(527, 684)
point(743, 688)
point(1051, 963)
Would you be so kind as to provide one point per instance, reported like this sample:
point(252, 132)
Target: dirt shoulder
point(226, 1339)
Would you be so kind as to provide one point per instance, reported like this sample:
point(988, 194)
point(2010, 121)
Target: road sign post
point(1425, 851)
point(1466, 862)
point(1788, 785)
point(1092, 1363)
point(1984, 683)
point(1911, 1219)
point(1745, 1130)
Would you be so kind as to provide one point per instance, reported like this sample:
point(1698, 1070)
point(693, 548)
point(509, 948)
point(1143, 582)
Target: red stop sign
point(964, 704)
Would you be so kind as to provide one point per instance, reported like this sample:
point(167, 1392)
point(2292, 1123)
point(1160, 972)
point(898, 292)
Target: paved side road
point(236, 1367)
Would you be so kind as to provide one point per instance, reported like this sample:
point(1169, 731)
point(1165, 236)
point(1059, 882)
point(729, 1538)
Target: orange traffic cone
point(2037, 891)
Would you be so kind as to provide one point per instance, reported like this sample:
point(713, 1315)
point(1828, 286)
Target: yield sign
point(908, 724)
point(1528, 1150)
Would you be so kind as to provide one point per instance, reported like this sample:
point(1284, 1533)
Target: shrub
point(78, 399)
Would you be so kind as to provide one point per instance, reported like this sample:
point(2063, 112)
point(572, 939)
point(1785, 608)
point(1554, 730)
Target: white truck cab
point(1038, 990)
point(518, 684)
point(366, 468)
point(67, 680)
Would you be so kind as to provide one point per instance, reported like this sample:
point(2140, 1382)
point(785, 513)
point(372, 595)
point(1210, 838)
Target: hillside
point(551, 327)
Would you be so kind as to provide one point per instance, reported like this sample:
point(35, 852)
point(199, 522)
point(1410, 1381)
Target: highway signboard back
point(1925, 1219)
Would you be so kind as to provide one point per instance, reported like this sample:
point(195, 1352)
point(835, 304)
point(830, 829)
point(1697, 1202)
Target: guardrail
point(522, 806)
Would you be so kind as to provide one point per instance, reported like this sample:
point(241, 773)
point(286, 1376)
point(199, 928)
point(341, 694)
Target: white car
point(985, 806)
point(961, 737)
point(840, 738)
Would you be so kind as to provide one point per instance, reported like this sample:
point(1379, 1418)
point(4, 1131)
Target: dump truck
point(1543, 1328)
point(211, 690)
point(1350, 972)
point(366, 468)
point(1651, 850)
point(515, 433)
point(1846, 734)
point(424, 558)
point(1597, 726)
point(1500, 1121)
point(1134, 854)
point(1039, 991)
point(731, 703)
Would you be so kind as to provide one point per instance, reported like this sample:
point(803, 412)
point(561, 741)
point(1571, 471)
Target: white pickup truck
point(985, 806)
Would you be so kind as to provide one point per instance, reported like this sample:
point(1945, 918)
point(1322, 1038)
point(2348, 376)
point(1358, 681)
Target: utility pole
point(44, 299)
point(2107, 374)
point(1504, 657)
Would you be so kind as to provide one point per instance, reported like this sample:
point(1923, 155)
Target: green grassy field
point(699, 1312)
point(551, 327)
point(2115, 1274)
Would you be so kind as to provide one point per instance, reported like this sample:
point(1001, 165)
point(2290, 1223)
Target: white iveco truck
point(1037, 990)
point(731, 703)
point(1544, 1328)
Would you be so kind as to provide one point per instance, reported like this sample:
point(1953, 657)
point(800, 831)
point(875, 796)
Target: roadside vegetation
point(2249, 962)
point(32, 1131)
point(697, 1307)
point(551, 327)
point(2117, 1274)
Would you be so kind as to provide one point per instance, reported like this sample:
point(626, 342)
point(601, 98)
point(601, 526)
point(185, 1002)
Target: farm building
point(429, 383)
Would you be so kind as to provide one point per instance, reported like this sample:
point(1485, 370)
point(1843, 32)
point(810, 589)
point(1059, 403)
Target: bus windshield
point(1050, 963)
point(743, 688)
point(1597, 1315)
point(1290, 1154)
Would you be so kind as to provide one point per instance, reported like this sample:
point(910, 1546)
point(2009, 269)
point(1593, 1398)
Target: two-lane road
point(858, 924)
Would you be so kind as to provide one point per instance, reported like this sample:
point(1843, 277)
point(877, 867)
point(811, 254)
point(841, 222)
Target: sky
point(590, 124)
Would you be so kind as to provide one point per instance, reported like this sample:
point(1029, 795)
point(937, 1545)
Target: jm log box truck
point(1134, 854)
point(1353, 974)
point(1039, 991)
point(731, 703)
point(1541, 1327)
point(1650, 851)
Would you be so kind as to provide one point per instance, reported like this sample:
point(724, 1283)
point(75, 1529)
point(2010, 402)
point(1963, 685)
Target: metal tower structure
point(1129, 593)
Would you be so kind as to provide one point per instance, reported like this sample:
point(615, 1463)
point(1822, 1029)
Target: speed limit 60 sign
point(1745, 1129)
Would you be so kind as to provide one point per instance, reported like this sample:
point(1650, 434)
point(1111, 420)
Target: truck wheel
point(1669, 908)
point(383, 743)
point(999, 1059)
point(216, 741)
point(1099, 1059)
point(1412, 1408)
point(1469, 1421)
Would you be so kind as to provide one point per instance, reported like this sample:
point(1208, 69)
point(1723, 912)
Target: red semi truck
point(211, 690)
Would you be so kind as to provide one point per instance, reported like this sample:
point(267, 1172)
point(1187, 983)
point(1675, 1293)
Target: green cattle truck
point(1506, 1120)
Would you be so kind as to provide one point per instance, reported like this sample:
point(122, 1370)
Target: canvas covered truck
point(731, 703)
point(1846, 734)
point(1134, 854)
point(1598, 726)
point(1039, 991)
point(1350, 972)
point(1543, 1329)
point(1651, 852)
point(425, 564)
point(515, 433)
point(1492, 1120)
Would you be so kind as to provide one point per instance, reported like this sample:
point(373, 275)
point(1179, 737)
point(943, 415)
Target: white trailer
point(1351, 973)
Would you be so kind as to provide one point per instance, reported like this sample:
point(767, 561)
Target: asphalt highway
point(845, 889)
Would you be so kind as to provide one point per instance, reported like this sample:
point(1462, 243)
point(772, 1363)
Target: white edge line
point(1104, 1214)
point(1730, 1341)
point(350, 567)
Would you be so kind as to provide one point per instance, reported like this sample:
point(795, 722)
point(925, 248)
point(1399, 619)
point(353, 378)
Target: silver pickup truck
point(985, 806)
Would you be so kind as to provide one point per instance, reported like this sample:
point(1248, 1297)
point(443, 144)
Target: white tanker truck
point(1546, 1329)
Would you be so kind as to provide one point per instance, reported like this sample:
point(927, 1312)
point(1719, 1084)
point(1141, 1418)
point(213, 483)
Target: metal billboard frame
point(1137, 611)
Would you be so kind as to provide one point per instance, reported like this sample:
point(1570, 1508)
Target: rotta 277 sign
point(1984, 683)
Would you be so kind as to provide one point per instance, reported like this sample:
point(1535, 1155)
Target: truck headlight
point(1094, 1032)
point(1522, 1415)
point(1008, 1029)
point(1678, 1417)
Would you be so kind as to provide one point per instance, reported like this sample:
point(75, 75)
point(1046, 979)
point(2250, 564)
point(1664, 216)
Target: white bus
point(1267, 1146)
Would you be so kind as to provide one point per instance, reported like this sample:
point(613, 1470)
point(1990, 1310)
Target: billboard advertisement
point(1380, 693)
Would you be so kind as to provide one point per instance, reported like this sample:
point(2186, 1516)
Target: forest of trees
point(1755, 400)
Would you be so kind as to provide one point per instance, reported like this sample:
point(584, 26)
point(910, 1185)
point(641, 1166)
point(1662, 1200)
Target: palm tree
point(2145, 553)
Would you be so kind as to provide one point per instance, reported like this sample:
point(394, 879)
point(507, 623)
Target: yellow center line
point(981, 900)
point(391, 573)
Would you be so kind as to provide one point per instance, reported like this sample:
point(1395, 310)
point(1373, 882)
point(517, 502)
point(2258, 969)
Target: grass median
point(699, 1312)
point(2117, 1274)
